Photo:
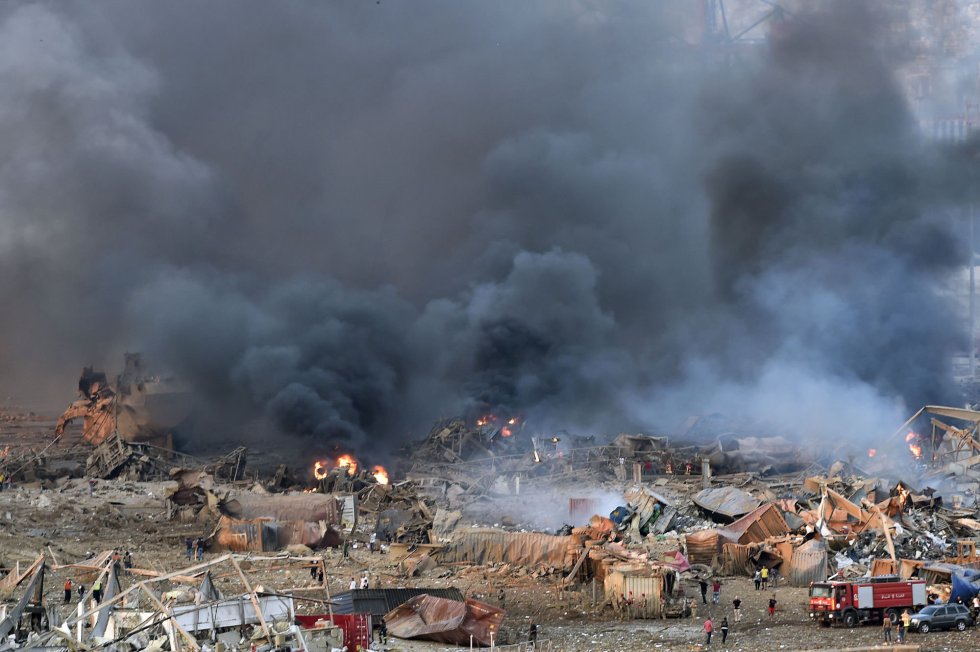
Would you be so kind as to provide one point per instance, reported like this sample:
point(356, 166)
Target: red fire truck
point(865, 600)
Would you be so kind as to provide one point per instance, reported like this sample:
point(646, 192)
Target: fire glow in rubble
point(915, 444)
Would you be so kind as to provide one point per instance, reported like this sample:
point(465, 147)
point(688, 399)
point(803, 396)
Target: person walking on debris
point(127, 560)
point(532, 634)
point(383, 632)
point(716, 592)
point(353, 584)
point(772, 607)
point(189, 542)
point(97, 590)
point(765, 577)
point(346, 549)
point(81, 592)
point(91, 486)
point(704, 590)
point(737, 608)
point(694, 609)
point(886, 629)
point(774, 577)
point(724, 630)
point(709, 628)
point(373, 543)
point(501, 597)
point(757, 579)
point(68, 590)
point(199, 547)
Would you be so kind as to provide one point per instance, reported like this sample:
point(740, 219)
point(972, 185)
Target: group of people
point(902, 623)
point(364, 584)
point(123, 562)
point(764, 576)
point(195, 548)
point(709, 625)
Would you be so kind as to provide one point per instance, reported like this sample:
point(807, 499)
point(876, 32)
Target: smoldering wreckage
point(682, 511)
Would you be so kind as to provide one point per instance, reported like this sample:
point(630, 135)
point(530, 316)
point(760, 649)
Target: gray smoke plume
point(347, 219)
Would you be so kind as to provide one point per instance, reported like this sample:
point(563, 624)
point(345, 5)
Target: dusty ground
point(131, 516)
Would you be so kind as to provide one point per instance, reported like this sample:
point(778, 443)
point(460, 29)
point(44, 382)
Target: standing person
point(97, 590)
point(704, 590)
point(694, 609)
point(199, 546)
point(501, 597)
point(774, 577)
point(128, 560)
point(383, 632)
point(765, 577)
point(373, 542)
point(716, 592)
point(346, 549)
point(532, 634)
point(81, 592)
point(724, 630)
point(353, 584)
point(737, 608)
point(189, 542)
point(68, 590)
point(886, 629)
point(772, 607)
point(708, 628)
point(364, 582)
point(91, 486)
point(757, 579)
point(905, 621)
point(901, 628)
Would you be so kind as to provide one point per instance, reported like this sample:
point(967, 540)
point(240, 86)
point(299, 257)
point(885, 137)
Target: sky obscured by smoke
point(351, 218)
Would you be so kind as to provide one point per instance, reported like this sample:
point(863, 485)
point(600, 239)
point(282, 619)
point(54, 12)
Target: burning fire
point(380, 474)
point(915, 445)
point(513, 421)
point(506, 432)
point(872, 452)
point(319, 470)
point(347, 462)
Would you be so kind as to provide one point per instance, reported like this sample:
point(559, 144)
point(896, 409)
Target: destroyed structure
point(714, 500)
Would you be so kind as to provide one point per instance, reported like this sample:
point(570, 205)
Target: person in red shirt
point(708, 628)
point(716, 592)
point(68, 590)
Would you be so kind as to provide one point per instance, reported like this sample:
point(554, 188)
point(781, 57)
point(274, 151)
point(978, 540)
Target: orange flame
point(914, 446)
point(872, 452)
point(347, 462)
point(513, 421)
point(380, 474)
point(506, 432)
point(320, 470)
point(486, 420)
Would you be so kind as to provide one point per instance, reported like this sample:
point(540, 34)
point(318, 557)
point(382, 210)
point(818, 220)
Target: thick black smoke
point(347, 219)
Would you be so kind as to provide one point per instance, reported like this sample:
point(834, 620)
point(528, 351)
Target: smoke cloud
point(344, 220)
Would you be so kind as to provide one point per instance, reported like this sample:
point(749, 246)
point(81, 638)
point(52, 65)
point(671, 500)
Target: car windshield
point(821, 591)
point(928, 611)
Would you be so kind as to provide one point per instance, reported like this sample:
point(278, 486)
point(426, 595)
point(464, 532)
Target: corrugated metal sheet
point(645, 589)
point(580, 510)
point(446, 621)
point(809, 563)
point(523, 549)
point(756, 526)
point(378, 602)
point(727, 501)
point(258, 535)
point(735, 559)
point(702, 547)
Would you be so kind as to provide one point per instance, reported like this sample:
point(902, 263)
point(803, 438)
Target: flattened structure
point(445, 621)
point(727, 501)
